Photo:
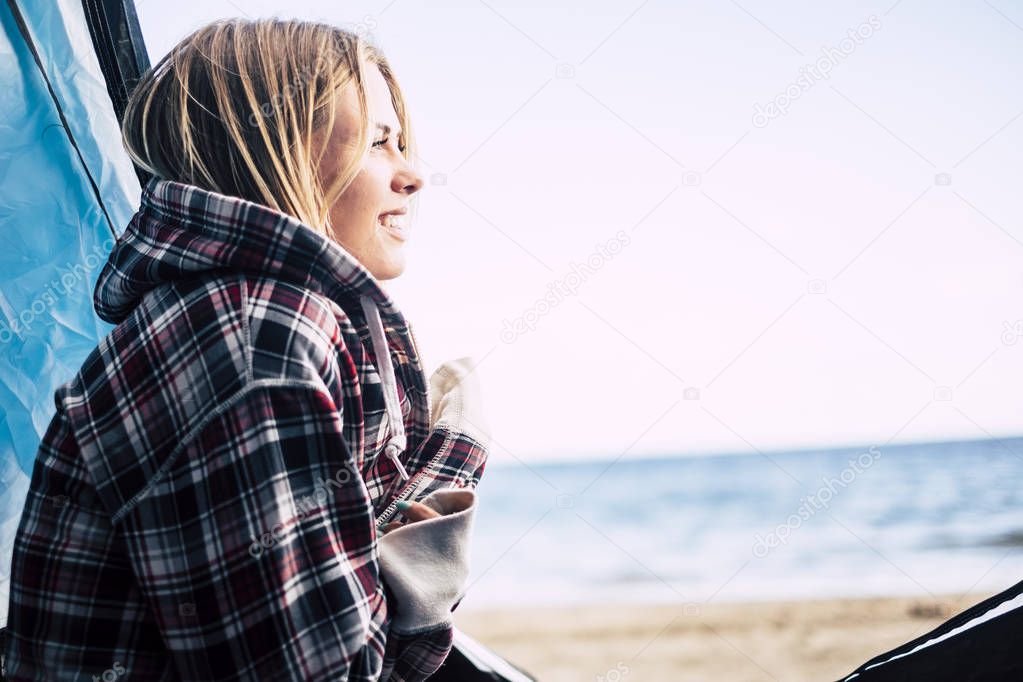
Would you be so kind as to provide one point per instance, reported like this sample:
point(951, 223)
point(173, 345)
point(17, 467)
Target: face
point(384, 184)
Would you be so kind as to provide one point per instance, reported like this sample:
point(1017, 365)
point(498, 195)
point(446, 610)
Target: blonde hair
point(244, 108)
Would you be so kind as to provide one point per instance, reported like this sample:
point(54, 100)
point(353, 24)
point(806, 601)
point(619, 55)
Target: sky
point(682, 228)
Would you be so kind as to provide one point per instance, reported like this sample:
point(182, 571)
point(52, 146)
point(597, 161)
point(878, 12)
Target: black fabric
point(991, 651)
point(123, 58)
point(461, 666)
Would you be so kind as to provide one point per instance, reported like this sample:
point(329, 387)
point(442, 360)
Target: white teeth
point(392, 220)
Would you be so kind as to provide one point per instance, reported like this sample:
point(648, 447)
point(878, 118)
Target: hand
point(416, 511)
point(426, 565)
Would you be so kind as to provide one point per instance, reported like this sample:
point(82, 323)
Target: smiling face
point(384, 184)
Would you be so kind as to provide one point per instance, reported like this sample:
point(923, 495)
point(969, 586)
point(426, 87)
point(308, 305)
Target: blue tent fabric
point(67, 189)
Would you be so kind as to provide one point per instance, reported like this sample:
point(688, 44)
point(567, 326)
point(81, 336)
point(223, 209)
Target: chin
point(389, 270)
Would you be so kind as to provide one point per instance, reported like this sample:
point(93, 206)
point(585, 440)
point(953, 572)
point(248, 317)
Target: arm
point(256, 547)
point(425, 565)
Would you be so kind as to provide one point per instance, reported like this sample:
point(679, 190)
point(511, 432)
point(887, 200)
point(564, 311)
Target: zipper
point(412, 486)
point(410, 489)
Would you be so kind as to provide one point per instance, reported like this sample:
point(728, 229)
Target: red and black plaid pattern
point(204, 501)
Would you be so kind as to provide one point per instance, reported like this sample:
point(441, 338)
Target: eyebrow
point(386, 128)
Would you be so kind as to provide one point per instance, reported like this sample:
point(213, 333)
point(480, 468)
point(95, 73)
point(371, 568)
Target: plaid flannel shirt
point(205, 502)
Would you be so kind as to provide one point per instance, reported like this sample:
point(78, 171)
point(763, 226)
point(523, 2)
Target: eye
point(401, 147)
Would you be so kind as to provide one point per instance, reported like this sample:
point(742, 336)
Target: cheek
point(371, 193)
point(374, 182)
point(357, 209)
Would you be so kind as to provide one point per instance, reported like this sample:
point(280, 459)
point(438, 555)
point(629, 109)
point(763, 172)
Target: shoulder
point(294, 333)
point(251, 328)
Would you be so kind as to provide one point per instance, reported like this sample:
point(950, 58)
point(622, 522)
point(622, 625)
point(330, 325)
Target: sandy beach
point(750, 642)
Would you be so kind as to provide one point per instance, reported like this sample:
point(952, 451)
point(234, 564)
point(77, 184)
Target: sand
point(796, 640)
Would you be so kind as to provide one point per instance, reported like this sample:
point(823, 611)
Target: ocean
point(922, 519)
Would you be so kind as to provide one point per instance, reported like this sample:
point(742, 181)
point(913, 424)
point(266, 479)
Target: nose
point(407, 180)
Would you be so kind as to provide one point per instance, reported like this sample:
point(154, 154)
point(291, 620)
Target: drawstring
point(397, 443)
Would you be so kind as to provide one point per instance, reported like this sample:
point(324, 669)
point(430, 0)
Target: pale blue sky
point(891, 187)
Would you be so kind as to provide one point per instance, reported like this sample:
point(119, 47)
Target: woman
point(220, 493)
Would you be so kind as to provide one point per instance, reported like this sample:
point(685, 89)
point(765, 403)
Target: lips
point(395, 223)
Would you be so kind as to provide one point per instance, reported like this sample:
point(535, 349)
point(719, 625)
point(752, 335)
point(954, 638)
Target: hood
point(182, 231)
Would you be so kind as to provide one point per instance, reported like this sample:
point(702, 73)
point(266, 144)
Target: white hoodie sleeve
point(426, 563)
